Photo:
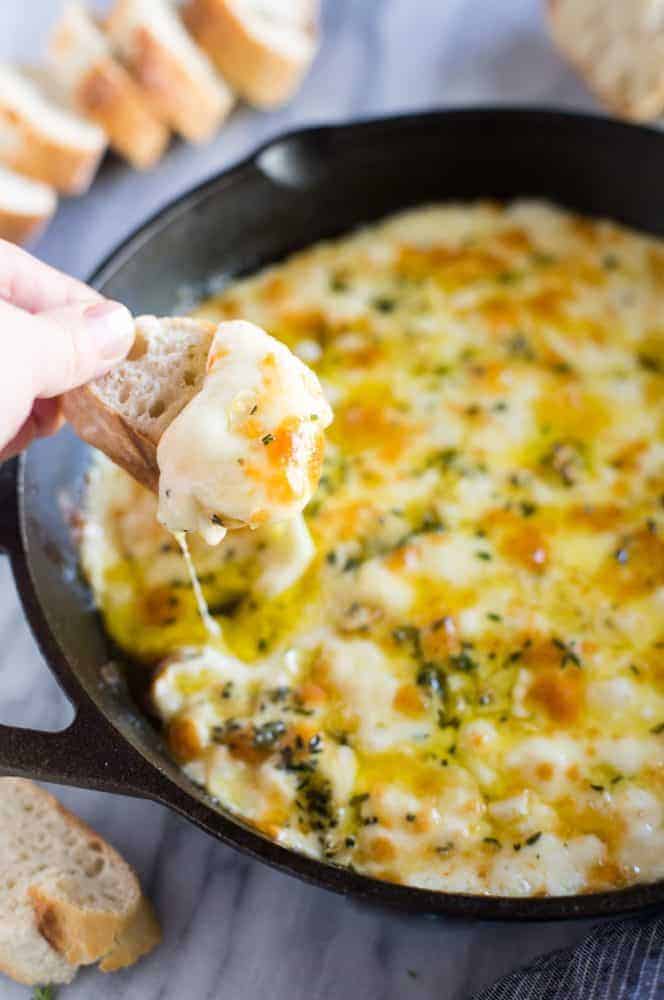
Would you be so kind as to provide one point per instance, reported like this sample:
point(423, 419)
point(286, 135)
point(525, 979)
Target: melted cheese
point(449, 672)
point(248, 448)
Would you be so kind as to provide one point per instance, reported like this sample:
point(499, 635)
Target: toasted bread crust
point(22, 229)
point(108, 95)
point(261, 74)
point(194, 104)
point(107, 430)
point(649, 107)
point(80, 936)
point(66, 168)
point(140, 936)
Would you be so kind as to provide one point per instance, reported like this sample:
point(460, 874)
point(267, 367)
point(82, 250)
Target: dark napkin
point(617, 961)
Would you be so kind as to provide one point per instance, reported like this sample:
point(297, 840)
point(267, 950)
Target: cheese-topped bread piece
point(248, 448)
point(223, 421)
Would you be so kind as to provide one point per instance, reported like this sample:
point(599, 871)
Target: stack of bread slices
point(129, 80)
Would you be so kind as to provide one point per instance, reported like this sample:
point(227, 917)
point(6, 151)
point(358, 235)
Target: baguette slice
point(262, 47)
point(66, 897)
point(81, 62)
point(618, 48)
point(26, 207)
point(125, 413)
point(182, 84)
point(42, 139)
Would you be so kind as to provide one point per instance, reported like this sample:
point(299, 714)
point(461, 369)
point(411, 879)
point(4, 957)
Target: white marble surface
point(233, 928)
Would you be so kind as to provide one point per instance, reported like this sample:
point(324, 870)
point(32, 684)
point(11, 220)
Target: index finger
point(28, 284)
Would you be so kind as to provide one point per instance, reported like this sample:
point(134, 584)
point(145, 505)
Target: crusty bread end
point(618, 49)
point(43, 139)
point(141, 935)
point(263, 56)
point(125, 413)
point(175, 74)
point(66, 897)
point(26, 207)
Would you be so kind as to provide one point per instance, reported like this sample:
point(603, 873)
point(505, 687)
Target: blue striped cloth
point(618, 961)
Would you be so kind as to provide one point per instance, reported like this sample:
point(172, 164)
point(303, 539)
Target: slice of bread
point(80, 60)
point(618, 48)
point(182, 84)
point(262, 47)
point(26, 207)
point(66, 897)
point(42, 139)
point(125, 413)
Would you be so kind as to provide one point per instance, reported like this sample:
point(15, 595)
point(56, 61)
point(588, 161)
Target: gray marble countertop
point(233, 928)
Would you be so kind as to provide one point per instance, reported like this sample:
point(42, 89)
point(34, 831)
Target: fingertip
point(112, 326)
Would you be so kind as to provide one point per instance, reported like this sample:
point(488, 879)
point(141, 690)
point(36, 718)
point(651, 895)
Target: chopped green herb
point(384, 304)
point(494, 617)
point(463, 661)
point(659, 728)
point(338, 283)
point(597, 788)
point(569, 654)
point(431, 678)
point(650, 364)
point(518, 346)
point(491, 840)
point(534, 837)
point(268, 439)
point(486, 556)
point(268, 734)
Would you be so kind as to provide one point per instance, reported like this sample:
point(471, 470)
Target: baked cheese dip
point(449, 671)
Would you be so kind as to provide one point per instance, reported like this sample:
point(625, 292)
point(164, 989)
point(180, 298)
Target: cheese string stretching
point(58, 334)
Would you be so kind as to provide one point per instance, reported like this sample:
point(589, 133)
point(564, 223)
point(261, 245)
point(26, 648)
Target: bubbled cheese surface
point(449, 672)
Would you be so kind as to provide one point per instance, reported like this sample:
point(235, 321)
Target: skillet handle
point(88, 754)
point(9, 519)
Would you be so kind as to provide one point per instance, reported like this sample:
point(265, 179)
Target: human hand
point(55, 334)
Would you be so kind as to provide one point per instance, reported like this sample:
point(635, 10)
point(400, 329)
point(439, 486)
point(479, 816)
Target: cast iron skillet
point(293, 191)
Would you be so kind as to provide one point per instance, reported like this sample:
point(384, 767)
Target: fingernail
point(112, 326)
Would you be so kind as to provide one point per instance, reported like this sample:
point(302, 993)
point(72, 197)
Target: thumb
point(76, 343)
